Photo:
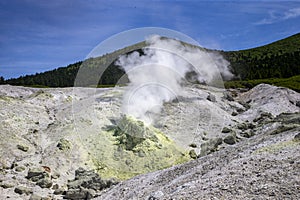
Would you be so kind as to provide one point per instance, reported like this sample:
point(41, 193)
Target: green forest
point(274, 63)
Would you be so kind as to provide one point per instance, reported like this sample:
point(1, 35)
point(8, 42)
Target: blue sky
point(39, 35)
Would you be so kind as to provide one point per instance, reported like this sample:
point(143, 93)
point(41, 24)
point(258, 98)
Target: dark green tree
point(2, 80)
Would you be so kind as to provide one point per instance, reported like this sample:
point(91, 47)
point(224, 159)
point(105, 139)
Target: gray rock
point(64, 144)
point(6, 185)
point(80, 193)
point(210, 146)
point(242, 126)
point(245, 104)
point(288, 118)
point(297, 137)
point(19, 168)
point(230, 139)
point(23, 190)
point(227, 96)
point(193, 154)
point(240, 110)
point(55, 186)
point(13, 165)
point(247, 133)
point(44, 182)
point(156, 195)
point(55, 174)
point(211, 97)
point(40, 176)
point(22, 147)
point(282, 128)
point(226, 130)
point(251, 126)
point(264, 116)
point(59, 191)
point(193, 145)
point(86, 183)
point(234, 113)
point(33, 172)
point(35, 197)
point(141, 153)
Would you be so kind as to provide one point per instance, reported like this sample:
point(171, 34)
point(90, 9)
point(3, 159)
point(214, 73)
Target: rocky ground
point(71, 143)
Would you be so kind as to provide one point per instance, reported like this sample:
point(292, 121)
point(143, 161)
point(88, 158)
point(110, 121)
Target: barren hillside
point(74, 143)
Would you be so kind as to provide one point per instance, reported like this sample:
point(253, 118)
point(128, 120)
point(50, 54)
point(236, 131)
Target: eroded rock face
point(269, 100)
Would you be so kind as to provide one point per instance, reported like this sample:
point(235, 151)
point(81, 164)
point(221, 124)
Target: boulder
point(247, 133)
point(226, 130)
point(264, 116)
point(19, 168)
point(230, 139)
point(234, 113)
point(193, 145)
point(36, 172)
point(80, 193)
point(242, 126)
point(297, 137)
point(130, 132)
point(156, 195)
point(23, 190)
point(193, 154)
point(211, 97)
point(86, 183)
point(6, 185)
point(64, 144)
point(228, 96)
point(23, 147)
point(55, 174)
point(59, 191)
point(44, 182)
point(210, 146)
point(40, 176)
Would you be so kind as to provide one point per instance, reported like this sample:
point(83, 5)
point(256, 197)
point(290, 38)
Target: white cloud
point(275, 16)
point(292, 13)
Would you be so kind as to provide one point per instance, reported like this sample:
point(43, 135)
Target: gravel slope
point(242, 142)
point(262, 167)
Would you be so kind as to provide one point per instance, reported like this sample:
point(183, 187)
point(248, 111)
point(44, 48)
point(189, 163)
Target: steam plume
point(157, 75)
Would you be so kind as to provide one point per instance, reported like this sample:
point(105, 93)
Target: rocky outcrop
point(41, 176)
point(86, 185)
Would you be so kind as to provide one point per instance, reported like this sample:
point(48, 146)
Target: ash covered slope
point(61, 130)
point(264, 166)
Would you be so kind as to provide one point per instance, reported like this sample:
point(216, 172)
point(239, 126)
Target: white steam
point(157, 76)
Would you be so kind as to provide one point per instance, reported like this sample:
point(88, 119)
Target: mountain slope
point(280, 59)
point(264, 167)
point(245, 145)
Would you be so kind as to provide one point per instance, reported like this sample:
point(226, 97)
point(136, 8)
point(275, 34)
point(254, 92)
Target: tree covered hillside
point(279, 59)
